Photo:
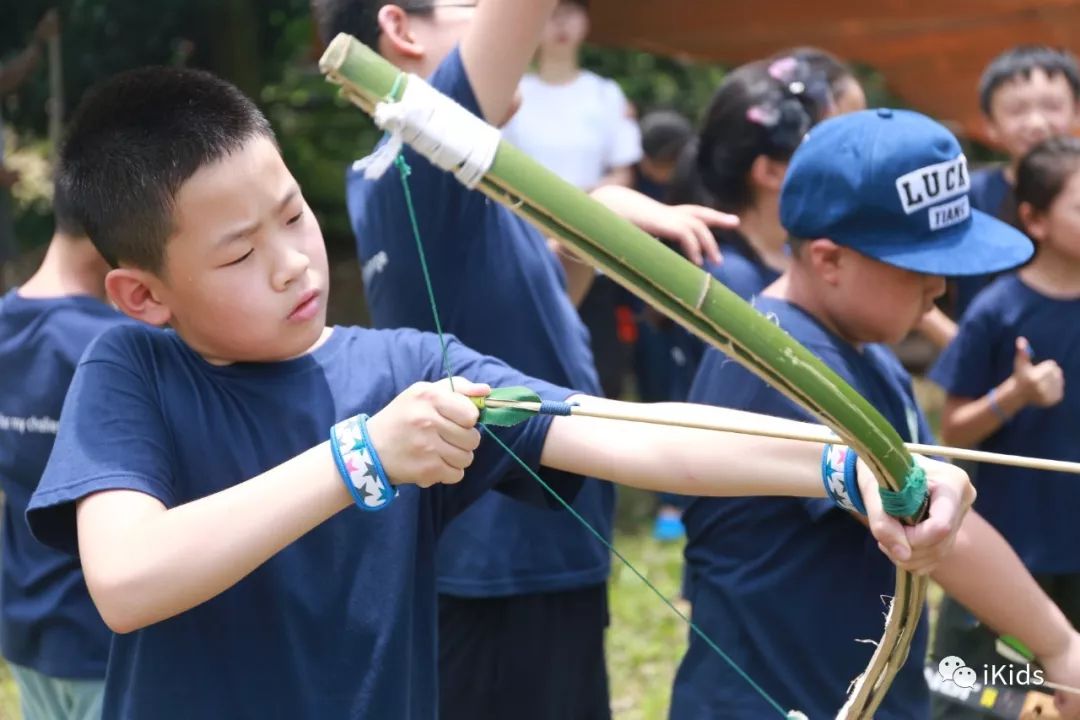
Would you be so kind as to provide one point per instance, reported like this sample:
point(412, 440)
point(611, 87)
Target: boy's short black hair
point(64, 214)
point(664, 133)
point(1021, 61)
point(134, 140)
point(359, 18)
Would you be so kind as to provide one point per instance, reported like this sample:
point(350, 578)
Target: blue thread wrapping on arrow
point(551, 407)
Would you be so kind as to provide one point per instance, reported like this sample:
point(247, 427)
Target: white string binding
point(438, 128)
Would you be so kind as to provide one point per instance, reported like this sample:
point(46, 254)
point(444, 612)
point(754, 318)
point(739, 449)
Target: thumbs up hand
point(1042, 384)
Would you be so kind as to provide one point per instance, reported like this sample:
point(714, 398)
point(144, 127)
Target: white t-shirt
point(580, 130)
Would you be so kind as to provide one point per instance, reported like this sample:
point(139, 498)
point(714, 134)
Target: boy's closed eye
point(240, 259)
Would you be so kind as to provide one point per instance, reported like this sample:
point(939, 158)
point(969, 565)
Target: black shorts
point(525, 657)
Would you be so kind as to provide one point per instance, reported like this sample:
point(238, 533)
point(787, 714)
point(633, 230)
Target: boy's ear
point(397, 38)
point(136, 293)
point(1033, 221)
point(824, 257)
point(768, 173)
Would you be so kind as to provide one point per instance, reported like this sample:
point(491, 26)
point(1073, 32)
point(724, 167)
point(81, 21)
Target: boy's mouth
point(307, 308)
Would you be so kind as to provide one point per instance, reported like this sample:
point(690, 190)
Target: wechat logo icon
point(953, 669)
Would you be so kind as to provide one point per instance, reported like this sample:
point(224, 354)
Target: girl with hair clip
point(756, 119)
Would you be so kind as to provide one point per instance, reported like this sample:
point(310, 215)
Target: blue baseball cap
point(894, 185)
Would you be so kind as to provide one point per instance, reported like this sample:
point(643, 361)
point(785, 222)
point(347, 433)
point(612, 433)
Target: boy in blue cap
point(192, 470)
point(503, 292)
point(877, 206)
point(53, 639)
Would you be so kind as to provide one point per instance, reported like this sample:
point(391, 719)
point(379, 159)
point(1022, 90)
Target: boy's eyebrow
point(250, 228)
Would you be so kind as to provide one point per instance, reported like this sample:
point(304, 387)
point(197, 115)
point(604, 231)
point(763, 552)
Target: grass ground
point(9, 696)
point(646, 640)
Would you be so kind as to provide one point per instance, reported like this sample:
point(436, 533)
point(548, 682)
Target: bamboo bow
point(692, 297)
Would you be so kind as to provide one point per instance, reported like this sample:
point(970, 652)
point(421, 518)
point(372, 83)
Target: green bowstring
point(404, 170)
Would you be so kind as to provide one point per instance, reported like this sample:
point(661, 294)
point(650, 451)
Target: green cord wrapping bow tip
point(695, 299)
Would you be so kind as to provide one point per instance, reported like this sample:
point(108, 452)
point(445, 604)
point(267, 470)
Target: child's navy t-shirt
point(47, 620)
point(788, 586)
point(744, 275)
point(668, 359)
point(342, 622)
point(501, 291)
point(1036, 511)
point(992, 194)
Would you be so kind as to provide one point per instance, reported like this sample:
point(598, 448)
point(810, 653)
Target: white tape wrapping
point(438, 128)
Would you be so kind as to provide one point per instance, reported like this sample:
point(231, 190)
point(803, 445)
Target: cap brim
point(984, 246)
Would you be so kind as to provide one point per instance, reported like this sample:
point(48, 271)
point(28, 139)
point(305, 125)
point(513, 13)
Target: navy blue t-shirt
point(739, 272)
point(501, 291)
point(342, 622)
point(744, 275)
point(1036, 511)
point(47, 620)
point(992, 194)
point(787, 586)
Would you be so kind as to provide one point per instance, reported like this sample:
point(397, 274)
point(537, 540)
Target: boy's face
point(567, 28)
point(245, 275)
point(871, 302)
point(1024, 111)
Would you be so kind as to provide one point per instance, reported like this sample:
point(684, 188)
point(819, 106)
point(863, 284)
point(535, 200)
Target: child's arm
point(985, 575)
point(145, 563)
point(938, 328)
point(497, 48)
point(685, 226)
point(702, 462)
point(968, 421)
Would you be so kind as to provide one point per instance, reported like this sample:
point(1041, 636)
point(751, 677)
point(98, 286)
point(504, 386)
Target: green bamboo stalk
point(692, 297)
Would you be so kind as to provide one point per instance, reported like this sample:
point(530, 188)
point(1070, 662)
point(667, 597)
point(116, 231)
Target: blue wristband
point(995, 408)
point(374, 453)
point(359, 464)
point(838, 474)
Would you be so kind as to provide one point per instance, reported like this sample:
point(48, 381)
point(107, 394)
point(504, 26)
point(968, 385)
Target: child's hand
point(685, 225)
point(427, 434)
point(921, 547)
point(1064, 668)
point(1042, 385)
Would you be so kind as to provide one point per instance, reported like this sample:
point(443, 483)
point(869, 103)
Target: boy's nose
point(1038, 122)
point(291, 266)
